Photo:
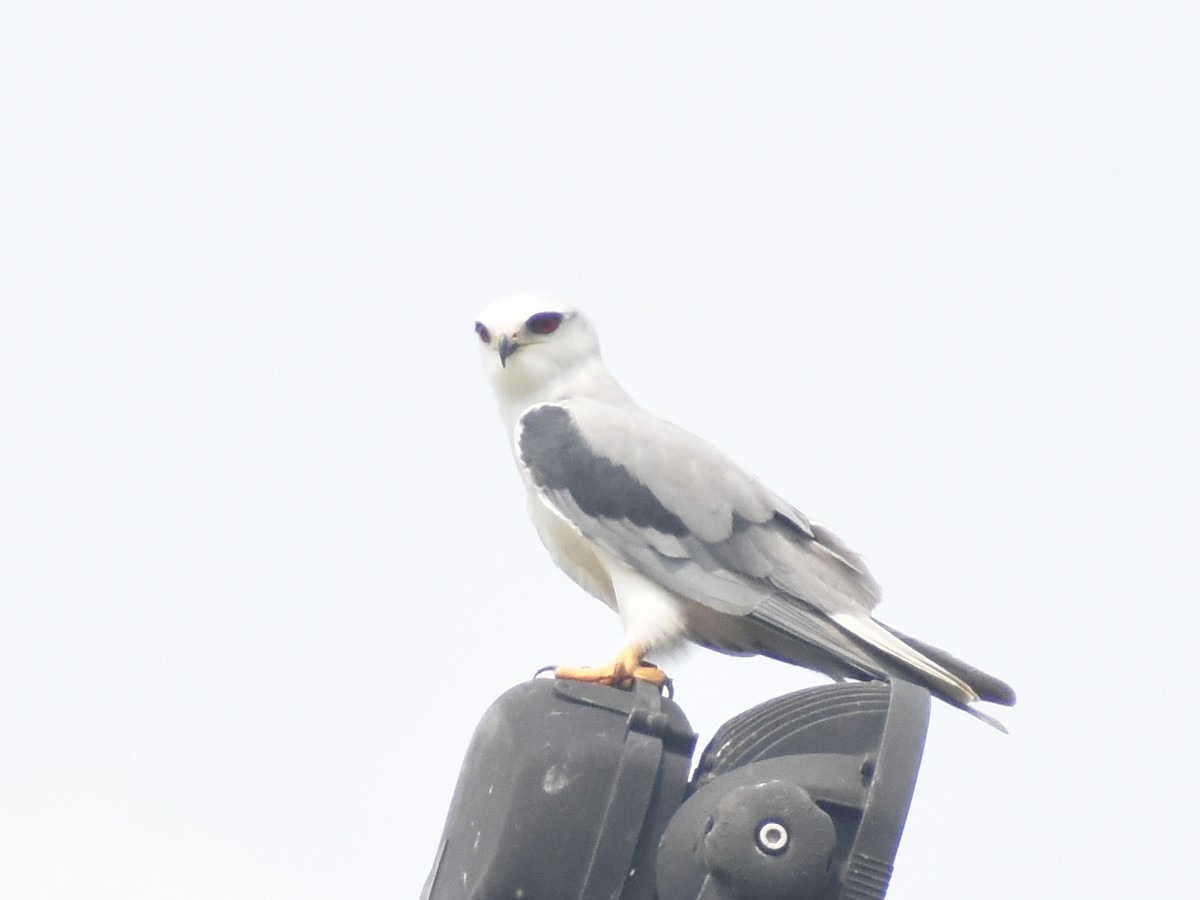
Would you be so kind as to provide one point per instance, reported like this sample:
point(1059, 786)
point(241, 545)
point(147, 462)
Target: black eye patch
point(484, 334)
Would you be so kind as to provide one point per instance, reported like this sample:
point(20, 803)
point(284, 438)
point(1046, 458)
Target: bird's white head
point(537, 347)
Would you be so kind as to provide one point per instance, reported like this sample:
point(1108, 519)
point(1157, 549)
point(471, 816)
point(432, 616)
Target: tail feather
point(986, 687)
point(887, 643)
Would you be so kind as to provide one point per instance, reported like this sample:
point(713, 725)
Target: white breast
point(651, 615)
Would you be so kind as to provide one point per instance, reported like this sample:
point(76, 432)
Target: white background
point(930, 270)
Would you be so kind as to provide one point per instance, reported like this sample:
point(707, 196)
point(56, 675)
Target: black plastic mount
point(573, 790)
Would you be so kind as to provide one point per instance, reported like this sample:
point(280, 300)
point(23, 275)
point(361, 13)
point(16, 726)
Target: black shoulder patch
point(560, 459)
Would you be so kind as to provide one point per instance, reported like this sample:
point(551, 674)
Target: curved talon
point(648, 671)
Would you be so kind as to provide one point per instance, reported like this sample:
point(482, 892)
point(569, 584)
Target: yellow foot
point(622, 671)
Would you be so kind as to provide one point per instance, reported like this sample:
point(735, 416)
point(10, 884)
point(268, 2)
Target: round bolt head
point(772, 837)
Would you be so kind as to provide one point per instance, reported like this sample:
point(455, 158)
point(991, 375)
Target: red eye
point(484, 334)
point(544, 323)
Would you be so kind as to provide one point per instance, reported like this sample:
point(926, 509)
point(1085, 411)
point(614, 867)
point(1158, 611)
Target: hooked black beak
point(508, 348)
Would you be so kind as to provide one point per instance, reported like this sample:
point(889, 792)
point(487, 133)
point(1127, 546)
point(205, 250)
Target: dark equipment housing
point(576, 791)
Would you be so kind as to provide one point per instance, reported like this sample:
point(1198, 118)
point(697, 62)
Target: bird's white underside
point(651, 616)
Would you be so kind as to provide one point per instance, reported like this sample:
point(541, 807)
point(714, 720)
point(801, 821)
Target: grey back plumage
point(678, 510)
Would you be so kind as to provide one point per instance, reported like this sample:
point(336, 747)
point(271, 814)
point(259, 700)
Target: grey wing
point(681, 513)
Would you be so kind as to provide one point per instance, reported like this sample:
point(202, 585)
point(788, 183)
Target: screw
point(772, 837)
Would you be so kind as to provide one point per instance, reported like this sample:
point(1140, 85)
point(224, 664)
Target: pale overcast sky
point(930, 270)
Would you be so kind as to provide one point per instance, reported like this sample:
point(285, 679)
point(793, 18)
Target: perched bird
point(675, 537)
